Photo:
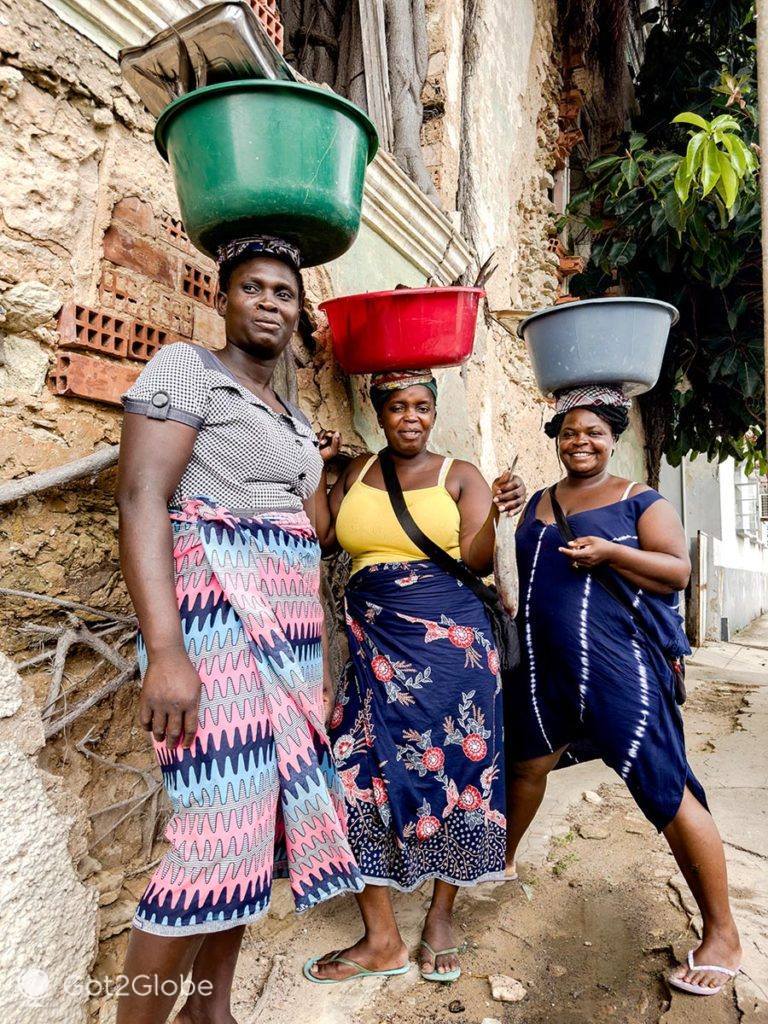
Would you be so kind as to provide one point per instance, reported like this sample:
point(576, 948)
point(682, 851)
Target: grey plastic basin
point(599, 341)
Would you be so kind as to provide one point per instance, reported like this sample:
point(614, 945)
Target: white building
point(725, 514)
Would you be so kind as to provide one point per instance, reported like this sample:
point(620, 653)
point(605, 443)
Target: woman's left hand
point(586, 552)
point(328, 442)
point(508, 493)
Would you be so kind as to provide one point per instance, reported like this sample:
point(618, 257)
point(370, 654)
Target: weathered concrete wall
point(48, 914)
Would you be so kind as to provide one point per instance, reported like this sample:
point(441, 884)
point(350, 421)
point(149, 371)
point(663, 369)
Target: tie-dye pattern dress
point(588, 674)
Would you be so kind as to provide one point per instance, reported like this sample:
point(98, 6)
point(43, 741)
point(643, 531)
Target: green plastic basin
point(267, 157)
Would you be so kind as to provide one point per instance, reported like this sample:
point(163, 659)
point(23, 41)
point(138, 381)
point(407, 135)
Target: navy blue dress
point(588, 673)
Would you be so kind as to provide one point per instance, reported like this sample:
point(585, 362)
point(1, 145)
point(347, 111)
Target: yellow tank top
point(367, 526)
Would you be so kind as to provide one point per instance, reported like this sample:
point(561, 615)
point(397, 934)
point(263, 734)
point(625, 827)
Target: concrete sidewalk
point(734, 772)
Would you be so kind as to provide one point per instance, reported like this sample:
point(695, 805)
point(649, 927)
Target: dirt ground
point(599, 916)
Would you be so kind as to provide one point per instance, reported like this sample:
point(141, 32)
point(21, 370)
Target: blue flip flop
point(362, 972)
point(441, 976)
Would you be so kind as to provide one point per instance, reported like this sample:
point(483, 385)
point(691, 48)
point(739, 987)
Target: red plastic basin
point(406, 329)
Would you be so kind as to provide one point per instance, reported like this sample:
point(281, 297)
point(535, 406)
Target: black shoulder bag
point(503, 625)
point(606, 580)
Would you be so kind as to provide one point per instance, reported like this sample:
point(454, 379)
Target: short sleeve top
point(246, 456)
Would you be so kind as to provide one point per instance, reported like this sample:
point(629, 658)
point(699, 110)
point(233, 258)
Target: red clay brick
point(86, 328)
point(269, 16)
point(136, 214)
point(127, 250)
point(147, 339)
point(100, 380)
point(175, 233)
point(209, 327)
point(568, 264)
point(199, 284)
point(137, 297)
point(566, 141)
point(571, 102)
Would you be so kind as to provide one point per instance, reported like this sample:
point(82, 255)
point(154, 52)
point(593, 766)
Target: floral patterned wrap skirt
point(417, 730)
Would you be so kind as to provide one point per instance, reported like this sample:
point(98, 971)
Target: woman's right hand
point(170, 698)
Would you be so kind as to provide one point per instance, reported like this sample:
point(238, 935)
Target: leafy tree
point(674, 214)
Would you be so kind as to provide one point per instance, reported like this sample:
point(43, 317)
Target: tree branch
point(85, 705)
point(90, 465)
point(61, 602)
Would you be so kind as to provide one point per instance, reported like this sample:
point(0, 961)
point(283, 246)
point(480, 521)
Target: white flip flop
point(702, 990)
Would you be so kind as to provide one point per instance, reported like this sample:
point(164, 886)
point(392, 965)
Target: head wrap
point(608, 402)
point(259, 245)
point(232, 254)
point(383, 384)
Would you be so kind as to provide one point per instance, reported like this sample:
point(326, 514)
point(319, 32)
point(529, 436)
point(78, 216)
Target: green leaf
point(578, 199)
point(673, 211)
point(636, 141)
point(632, 173)
point(683, 181)
point(738, 152)
point(728, 179)
point(694, 151)
point(749, 379)
point(688, 117)
point(725, 122)
point(710, 168)
point(602, 164)
point(662, 168)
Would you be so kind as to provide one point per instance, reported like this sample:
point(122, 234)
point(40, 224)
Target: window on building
point(748, 507)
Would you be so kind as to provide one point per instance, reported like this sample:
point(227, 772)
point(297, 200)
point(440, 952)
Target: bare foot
point(373, 955)
point(510, 871)
point(721, 949)
point(193, 1013)
point(438, 932)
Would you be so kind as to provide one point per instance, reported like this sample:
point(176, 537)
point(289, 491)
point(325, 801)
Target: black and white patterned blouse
point(246, 456)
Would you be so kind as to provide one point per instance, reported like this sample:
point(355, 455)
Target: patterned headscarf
point(606, 401)
point(383, 384)
point(259, 245)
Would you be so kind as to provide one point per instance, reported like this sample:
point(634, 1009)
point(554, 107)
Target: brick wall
point(154, 289)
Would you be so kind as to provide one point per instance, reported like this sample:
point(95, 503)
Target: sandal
point(702, 990)
point(362, 972)
point(443, 976)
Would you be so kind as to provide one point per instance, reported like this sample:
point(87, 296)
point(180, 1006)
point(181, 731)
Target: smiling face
point(585, 443)
point(260, 306)
point(407, 418)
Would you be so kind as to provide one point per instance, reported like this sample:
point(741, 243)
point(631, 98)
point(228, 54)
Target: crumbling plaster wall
point(49, 915)
point(75, 141)
point(489, 141)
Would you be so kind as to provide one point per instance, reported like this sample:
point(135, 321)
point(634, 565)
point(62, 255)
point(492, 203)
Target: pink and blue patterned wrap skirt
point(417, 730)
point(256, 795)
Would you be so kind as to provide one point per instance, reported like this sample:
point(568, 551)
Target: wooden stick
point(30, 595)
point(89, 465)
